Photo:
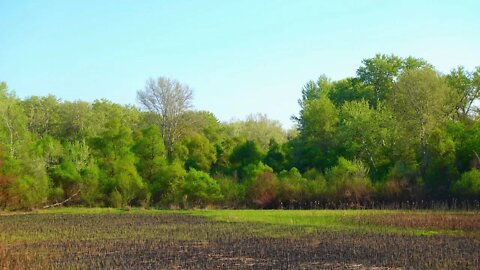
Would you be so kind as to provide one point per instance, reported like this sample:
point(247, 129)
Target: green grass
point(336, 220)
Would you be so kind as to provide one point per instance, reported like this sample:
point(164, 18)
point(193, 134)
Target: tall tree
point(467, 85)
point(350, 89)
point(76, 120)
point(275, 157)
point(422, 102)
point(117, 163)
point(42, 114)
point(366, 134)
point(243, 155)
point(382, 71)
point(13, 128)
point(316, 145)
point(150, 153)
point(169, 99)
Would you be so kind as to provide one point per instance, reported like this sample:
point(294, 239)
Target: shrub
point(468, 185)
point(116, 199)
point(30, 192)
point(348, 181)
point(232, 191)
point(167, 185)
point(263, 190)
point(392, 190)
point(292, 186)
point(200, 189)
point(316, 188)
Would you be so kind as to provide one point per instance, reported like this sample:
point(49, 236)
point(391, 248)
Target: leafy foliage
point(468, 185)
point(200, 189)
point(398, 130)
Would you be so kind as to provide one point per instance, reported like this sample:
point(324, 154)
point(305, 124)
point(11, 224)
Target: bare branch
point(169, 100)
point(63, 202)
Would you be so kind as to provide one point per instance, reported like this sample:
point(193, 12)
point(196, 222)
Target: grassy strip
point(334, 220)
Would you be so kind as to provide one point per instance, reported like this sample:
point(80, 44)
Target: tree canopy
point(398, 130)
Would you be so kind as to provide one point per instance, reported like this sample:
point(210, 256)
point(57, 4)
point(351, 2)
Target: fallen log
point(62, 202)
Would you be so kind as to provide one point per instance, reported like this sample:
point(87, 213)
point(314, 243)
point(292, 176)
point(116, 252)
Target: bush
point(349, 181)
point(232, 191)
point(392, 190)
point(263, 190)
point(316, 185)
point(90, 187)
point(116, 199)
point(292, 186)
point(200, 189)
point(167, 185)
point(468, 186)
point(30, 192)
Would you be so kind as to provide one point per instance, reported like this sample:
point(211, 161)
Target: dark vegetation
point(180, 241)
point(397, 133)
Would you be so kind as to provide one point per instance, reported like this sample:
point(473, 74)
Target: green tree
point(366, 133)
point(150, 152)
point(316, 146)
point(275, 157)
point(224, 149)
point(441, 170)
point(350, 89)
point(76, 174)
point(382, 71)
point(421, 102)
point(467, 86)
point(118, 174)
point(243, 155)
point(6, 181)
point(466, 138)
point(313, 90)
point(13, 131)
point(316, 187)
point(201, 153)
point(28, 185)
point(76, 121)
point(42, 114)
point(206, 124)
point(103, 111)
point(50, 149)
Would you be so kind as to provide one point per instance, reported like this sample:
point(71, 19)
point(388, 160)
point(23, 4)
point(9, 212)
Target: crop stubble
point(177, 241)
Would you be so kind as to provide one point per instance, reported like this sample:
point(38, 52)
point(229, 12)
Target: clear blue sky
point(240, 57)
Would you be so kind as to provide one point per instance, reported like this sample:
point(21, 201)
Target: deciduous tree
point(169, 99)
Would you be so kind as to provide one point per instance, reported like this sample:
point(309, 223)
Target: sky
point(239, 57)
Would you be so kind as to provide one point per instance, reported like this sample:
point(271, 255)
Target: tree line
point(397, 131)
